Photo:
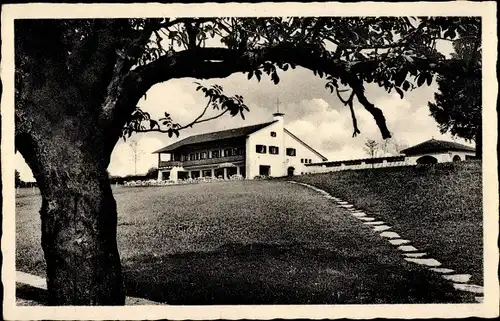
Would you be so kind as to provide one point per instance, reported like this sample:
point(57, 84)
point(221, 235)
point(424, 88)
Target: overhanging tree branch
point(349, 102)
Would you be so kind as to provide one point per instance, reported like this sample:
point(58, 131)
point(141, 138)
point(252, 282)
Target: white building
point(438, 151)
point(266, 149)
point(431, 151)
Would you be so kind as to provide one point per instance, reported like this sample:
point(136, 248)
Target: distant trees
point(392, 146)
point(152, 173)
point(371, 147)
point(18, 180)
point(136, 153)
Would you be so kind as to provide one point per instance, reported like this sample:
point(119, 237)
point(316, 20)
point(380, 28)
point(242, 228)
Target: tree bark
point(479, 143)
point(79, 221)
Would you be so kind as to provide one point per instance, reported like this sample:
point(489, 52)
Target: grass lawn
point(439, 208)
point(247, 242)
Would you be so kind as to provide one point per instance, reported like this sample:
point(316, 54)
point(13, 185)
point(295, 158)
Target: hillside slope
point(438, 207)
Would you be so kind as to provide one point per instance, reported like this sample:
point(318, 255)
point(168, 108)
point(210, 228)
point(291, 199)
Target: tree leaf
point(429, 79)
point(420, 79)
point(400, 92)
point(406, 85)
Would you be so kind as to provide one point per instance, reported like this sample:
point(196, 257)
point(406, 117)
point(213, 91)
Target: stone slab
point(415, 254)
point(442, 270)
point(390, 235)
point(366, 218)
point(374, 223)
point(426, 262)
point(469, 288)
point(381, 228)
point(346, 205)
point(407, 248)
point(399, 242)
point(359, 214)
point(458, 278)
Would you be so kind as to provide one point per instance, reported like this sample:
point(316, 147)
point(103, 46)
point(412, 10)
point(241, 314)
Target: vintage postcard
point(235, 161)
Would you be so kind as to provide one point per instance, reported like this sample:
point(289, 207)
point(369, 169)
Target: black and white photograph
point(249, 160)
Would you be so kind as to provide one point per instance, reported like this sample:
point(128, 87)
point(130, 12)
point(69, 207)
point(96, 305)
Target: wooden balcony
point(163, 164)
point(200, 162)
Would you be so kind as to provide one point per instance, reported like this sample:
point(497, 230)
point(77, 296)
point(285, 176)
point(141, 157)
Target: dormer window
point(273, 134)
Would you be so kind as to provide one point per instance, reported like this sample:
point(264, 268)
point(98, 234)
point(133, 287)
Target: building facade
point(266, 149)
point(432, 151)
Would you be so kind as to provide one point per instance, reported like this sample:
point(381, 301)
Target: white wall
point(263, 137)
point(301, 152)
point(281, 162)
point(441, 157)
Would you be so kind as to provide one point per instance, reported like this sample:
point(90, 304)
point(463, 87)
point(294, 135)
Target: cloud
point(311, 112)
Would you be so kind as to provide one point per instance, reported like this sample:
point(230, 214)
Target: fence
point(343, 167)
point(153, 182)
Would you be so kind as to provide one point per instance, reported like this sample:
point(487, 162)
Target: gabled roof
point(434, 145)
point(215, 136)
point(305, 145)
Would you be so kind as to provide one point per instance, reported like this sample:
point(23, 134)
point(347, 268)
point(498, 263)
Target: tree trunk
point(79, 219)
point(479, 143)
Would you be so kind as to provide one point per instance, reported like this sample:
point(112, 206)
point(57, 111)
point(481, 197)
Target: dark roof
point(434, 145)
point(214, 136)
point(305, 145)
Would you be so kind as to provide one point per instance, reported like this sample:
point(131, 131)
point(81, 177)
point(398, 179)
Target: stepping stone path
point(381, 228)
point(398, 242)
point(426, 262)
point(407, 248)
point(458, 278)
point(410, 253)
point(391, 235)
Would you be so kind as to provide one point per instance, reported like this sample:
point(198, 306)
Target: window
point(302, 160)
point(197, 156)
point(240, 151)
point(191, 156)
point(291, 152)
point(309, 161)
point(215, 154)
point(261, 149)
point(203, 155)
point(228, 152)
point(264, 170)
point(274, 150)
point(273, 134)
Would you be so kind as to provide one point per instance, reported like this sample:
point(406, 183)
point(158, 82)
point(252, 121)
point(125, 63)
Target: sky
point(311, 112)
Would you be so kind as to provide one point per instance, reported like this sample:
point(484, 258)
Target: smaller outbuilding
point(435, 151)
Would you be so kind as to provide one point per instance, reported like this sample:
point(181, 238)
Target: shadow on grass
point(281, 274)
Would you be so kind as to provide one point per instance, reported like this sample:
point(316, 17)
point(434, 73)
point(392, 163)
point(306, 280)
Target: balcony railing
point(163, 164)
point(208, 161)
